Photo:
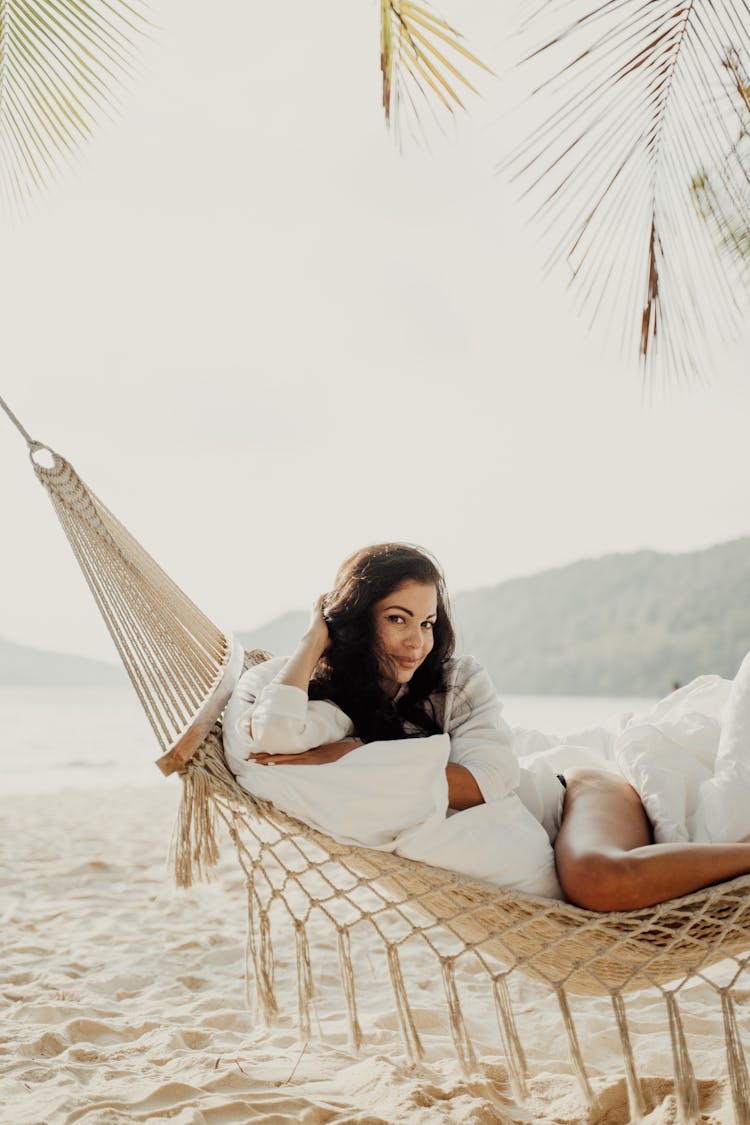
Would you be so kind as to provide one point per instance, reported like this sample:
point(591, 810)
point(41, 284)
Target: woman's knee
point(599, 880)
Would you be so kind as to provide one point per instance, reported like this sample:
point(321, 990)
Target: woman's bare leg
point(607, 860)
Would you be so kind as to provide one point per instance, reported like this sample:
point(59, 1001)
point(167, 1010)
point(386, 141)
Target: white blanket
point(688, 758)
point(691, 769)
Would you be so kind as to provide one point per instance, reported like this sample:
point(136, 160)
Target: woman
point(413, 755)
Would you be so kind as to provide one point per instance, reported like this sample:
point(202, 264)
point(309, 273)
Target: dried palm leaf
point(60, 63)
point(642, 98)
point(420, 55)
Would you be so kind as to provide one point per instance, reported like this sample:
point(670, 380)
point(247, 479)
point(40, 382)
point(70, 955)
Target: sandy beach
point(123, 1001)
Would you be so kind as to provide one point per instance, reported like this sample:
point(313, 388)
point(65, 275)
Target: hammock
point(184, 668)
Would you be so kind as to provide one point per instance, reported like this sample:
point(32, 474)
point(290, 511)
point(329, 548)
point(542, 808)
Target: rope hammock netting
point(184, 669)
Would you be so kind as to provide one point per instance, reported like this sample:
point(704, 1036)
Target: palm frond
point(60, 64)
point(421, 57)
point(722, 212)
point(641, 97)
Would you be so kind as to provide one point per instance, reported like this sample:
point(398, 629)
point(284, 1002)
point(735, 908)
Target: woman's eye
point(428, 625)
point(396, 618)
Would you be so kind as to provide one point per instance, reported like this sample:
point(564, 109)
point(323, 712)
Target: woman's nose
point(414, 640)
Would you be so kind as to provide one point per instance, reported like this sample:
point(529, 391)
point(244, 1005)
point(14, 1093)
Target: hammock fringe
point(736, 1063)
point(514, 1054)
point(194, 848)
point(261, 957)
point(305, 987)
point(346, 970)
point(252, 959)
point(413, 1048)
point(574, 1047)
point(686, 1091)
point(464, 1048)
point(635, 1092)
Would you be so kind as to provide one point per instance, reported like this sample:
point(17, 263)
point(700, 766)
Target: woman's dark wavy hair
point(349, 670)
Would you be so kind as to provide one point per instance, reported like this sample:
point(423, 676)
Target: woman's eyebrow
point(408, 612)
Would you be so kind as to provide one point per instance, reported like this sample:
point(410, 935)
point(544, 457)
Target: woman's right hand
point(317, 634)
point(299, 668)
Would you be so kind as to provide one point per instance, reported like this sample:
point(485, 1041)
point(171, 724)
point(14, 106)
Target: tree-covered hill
point(622, 624)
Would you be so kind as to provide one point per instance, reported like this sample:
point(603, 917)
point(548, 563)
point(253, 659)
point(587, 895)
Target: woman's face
point(404, 621)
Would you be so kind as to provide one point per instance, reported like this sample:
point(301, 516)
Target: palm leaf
point(725, 215)
point(420, 56)
point(640, 98)
point(60, 63)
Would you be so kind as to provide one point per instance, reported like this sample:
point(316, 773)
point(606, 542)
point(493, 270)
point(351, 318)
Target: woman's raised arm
point(270, 713)
point(298, 670)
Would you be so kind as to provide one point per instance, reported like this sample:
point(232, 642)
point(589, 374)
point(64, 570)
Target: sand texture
point(122, 1000)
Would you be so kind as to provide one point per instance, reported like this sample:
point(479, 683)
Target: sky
point(265, 336)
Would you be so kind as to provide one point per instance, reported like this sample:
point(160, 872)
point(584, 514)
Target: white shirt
point(279, 719)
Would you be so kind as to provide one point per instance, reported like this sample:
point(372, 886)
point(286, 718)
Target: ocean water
point(87, 738)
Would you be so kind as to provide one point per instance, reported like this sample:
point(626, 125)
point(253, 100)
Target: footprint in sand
point(426, 1020)
point(94, 1031)
point(195, 984)
point(234, 1021)
point(35, 1075)
point(47, 1046)
point(43, 1013)
point(84, 1054)
point(20, 978)
point(195, 1040)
